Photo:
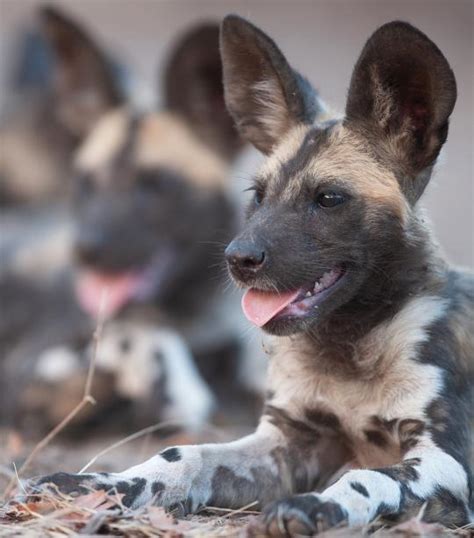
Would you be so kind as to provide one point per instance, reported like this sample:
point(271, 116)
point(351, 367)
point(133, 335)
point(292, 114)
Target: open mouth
point(106, 293)
point(260, 306)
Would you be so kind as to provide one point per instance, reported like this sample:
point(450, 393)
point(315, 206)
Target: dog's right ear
point(265, 96)
point(193, 89)
point(83, 84)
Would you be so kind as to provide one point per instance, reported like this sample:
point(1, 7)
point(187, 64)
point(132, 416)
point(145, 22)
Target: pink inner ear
point(418, 111)
point(419, 114)
point(417, 99)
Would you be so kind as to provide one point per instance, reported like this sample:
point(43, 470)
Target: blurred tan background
point(322, 38)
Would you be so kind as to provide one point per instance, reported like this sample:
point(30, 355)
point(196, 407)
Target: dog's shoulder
point(451, 337)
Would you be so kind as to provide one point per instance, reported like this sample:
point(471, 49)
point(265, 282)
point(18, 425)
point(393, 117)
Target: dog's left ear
point(83, 84)
point(193, 89)
point(265, 96)
point(402, 93)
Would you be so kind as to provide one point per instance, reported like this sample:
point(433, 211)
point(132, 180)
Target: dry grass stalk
point(132, 437)
point(86, 400)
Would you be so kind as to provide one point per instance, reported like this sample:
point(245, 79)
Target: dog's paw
point(66, 483)
point(304, 515)
point(133, 492)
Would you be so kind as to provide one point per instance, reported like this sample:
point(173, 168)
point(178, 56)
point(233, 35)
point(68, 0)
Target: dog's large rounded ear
point(84, 83)
point(265, 96)
point(403, 91)
point(194, 90)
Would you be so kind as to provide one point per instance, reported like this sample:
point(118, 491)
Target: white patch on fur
point(392, 385)
point(437, 469)
point(138, 369)
point(56, 364)
point(361, 509)
point(191, 399)
point(191, 476)
point(135, 370)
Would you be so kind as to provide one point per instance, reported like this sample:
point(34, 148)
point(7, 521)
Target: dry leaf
point(93, 500)
point(26, 510)
point(165, 522)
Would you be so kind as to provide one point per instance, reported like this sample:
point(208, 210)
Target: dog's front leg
point(428, 481)
point(228, 475)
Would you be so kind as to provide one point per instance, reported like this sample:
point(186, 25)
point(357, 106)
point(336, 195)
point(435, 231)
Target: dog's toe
point(69, 484)
point(303, 515)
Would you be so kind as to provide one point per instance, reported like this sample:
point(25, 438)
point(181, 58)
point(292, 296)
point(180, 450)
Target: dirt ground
point(101, 514)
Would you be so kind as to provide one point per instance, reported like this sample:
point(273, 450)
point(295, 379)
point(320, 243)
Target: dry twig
point(86, 399)
point(132, 437)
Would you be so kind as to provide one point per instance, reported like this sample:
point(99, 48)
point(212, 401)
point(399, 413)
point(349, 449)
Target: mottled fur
point(368, 408)
point(150, 195)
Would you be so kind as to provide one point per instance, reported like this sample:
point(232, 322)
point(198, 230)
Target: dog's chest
point(376, 415)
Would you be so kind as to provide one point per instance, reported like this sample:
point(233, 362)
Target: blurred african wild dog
point(370, 402)
point(152, 210)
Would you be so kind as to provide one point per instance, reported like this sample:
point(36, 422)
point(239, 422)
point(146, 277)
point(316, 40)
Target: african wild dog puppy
point(369, 396)
point(152, 211)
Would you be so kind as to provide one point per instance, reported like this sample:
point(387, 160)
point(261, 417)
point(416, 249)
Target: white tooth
point(328, 278)
point(308, 294)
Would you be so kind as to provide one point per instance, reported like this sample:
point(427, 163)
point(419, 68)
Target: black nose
point(89, 246)
point(245, 258)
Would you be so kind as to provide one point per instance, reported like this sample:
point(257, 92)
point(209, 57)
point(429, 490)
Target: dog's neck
point(417, 270)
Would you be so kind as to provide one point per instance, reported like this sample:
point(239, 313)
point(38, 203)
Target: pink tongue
point(261, 306)
point(117, 291)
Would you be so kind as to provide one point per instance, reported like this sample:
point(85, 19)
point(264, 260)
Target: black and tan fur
point(370, 394)
point(151, 194)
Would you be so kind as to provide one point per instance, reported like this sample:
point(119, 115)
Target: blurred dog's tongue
point(118, 290)
point(261, 306)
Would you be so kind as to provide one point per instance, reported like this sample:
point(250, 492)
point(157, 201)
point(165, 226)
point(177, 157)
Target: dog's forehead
point(149, 141)
point(329, 152)
point(104, 142)
point(164, 140)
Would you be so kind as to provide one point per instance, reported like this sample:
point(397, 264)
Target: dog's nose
point(245, 257)
point(89, 246)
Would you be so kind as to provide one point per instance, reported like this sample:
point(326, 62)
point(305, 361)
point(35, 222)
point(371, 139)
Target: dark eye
point(258, 196)
point(329, 199)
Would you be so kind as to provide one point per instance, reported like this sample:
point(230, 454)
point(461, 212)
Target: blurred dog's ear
point(83, 82)
point(194, 90)
point(265, 96)
point(402, 92)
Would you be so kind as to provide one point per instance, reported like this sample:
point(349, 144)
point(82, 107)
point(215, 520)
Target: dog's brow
point(289, 178)
point(123, 163)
